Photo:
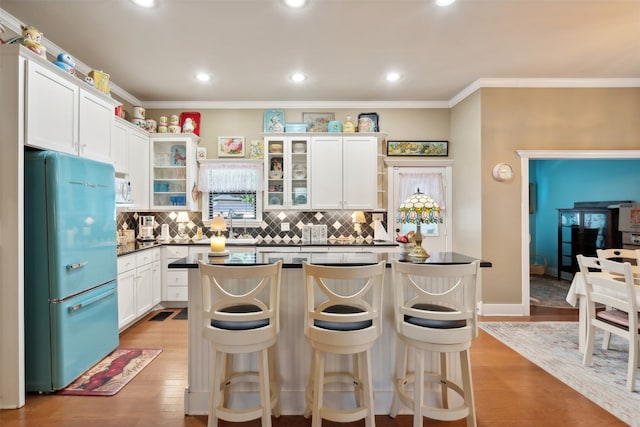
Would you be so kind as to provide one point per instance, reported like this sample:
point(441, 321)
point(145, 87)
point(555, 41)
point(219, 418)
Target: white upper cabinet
point(344, 172)
point(52, 110)
point(95, 125)
point(139, 147)
point(64, 114)
point(174, 171)
point(286, 170)
point(120, 146)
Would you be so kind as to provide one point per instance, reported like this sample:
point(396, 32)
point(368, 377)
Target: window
point(232, 187)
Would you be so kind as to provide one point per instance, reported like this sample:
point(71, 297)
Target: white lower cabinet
point(126, 290)
point(175, 291)
point(137, 285)
point(156, 275)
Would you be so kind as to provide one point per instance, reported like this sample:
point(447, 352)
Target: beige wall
point(539, 119)
point(396, 123)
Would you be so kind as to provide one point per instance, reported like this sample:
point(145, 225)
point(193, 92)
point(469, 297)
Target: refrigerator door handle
point(77, 265)
point(91, 301)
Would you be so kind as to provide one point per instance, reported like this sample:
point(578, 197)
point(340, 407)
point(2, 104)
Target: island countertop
point(295, 259)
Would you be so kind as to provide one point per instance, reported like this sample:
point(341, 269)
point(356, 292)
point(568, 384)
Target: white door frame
point(525, 156)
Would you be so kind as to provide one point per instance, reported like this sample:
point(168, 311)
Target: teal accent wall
point(560, 183)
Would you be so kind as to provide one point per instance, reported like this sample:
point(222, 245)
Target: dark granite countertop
point(136, 246)
point(295, 259)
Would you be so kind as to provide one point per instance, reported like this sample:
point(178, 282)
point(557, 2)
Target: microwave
point(123, 192)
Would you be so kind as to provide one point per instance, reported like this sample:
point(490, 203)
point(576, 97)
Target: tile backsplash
point(339, 224)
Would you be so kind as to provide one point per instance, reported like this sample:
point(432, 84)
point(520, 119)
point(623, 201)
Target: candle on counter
point(217, 243)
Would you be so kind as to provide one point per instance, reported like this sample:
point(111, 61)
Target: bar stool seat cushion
point(434, 323)
point(243, 325)
point(342, 326)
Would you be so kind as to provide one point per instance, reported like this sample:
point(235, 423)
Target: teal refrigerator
point(70, 268)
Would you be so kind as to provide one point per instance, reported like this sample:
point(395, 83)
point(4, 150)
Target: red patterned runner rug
point(112, 373)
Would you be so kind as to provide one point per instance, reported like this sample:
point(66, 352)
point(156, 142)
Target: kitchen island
point(294, 355)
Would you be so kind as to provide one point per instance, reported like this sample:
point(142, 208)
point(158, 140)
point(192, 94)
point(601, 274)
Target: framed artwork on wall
point(231, 146)
point(318, 122)
point(368, 122)
point(418, 148)
point(273, 121)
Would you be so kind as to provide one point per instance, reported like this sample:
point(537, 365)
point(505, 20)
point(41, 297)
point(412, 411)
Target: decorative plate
point(178, 155)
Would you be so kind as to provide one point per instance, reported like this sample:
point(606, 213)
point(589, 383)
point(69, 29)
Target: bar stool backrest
point(241, 304)
point(436, 303)
point(343, 304)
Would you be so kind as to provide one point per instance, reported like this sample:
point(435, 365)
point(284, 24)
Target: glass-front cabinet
point(174, 171)
point(583, 230)
point(286, 171)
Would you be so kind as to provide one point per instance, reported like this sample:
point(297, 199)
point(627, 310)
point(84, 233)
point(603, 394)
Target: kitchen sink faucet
point(232, 235)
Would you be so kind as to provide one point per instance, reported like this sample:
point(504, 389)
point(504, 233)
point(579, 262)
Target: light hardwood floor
point(509, 390)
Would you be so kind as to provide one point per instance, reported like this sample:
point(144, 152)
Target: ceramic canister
point(174, 129)
point(163, 120)
point(174, 120)
point(138, 122)
point(150, 125)
point(138, 112)
point(163, 129)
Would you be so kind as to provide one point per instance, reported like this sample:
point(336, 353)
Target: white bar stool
point(434, 310)
point(343, 317)
point(240, 316)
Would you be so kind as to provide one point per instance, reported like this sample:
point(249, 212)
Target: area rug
point(111, 374)
point(549, 292)
point(553, 346)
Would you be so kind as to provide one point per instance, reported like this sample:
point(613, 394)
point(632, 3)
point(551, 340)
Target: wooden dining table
point(577, 296)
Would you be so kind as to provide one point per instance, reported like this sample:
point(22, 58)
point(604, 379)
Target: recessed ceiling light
point(392, 77)
point(145, 3)
point(203, 77)
point(298, 77)
point(295, 3)
point(444, 2)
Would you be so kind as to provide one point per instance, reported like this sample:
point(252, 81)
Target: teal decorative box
point(334, 126)
point(295, 127)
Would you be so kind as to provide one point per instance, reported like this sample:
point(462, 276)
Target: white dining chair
point(617, 291)
point(620, 255)
point(241, 316)
point(435, 311)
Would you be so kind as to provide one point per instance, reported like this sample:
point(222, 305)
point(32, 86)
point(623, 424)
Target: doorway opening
point(525, 157)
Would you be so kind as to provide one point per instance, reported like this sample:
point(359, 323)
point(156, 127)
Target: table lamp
point(217, 242)
point(182, 220)
point(417, 209)
point(357, 219)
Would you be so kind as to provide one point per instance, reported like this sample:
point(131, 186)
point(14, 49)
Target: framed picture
point(201, 153)
point(231, 146)
point(368, 122)
point(318, 122)
point(418, 148)
point(273, 121)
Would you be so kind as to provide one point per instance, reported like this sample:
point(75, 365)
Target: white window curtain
point(431, 184)
point(230, 177)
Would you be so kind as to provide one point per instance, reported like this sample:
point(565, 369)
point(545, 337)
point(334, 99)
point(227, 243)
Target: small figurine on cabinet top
point(188, 126)
point(89, 80)
point(31, 38)
point(66, 62)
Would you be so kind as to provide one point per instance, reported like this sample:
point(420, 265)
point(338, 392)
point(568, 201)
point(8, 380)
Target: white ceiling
point(345, 46)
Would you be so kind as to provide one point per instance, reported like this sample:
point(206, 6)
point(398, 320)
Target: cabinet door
point(144, 289)
point(326, 173)
point(139, 175)
point(359, 172)
point(126, 298)
point(156, 279)
point(274, 173)
point(174, 171)
point(95, 124)
point(120, 147)
point(52, 111)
